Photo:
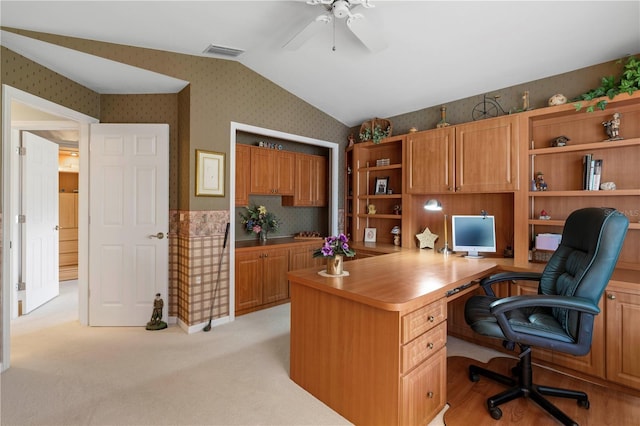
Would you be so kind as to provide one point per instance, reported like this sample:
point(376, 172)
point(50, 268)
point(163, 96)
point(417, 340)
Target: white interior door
point(129, 222)
point(39, 239)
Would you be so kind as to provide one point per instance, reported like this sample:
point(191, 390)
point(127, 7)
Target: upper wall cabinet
point(310, 183)
point(474, 157)
point(429, 162)
point(243, 171)
point(272, 171)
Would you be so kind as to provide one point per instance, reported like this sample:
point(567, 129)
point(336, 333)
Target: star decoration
point(426, 238)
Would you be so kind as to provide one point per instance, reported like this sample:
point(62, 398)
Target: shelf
point(586, 146)
point(381, 216)
point(632, 225)
point(380, 197)
point(585, 193)
point(380, 168)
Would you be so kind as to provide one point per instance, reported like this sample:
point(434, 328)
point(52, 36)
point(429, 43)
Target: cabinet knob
point(458, 188)
point(430, 345)
point(611, 296)
point(431, 318)
point(430, 395)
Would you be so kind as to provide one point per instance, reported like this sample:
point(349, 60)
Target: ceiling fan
point(337, 10)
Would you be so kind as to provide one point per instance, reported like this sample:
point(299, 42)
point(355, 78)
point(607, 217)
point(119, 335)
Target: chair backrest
point(585, 259)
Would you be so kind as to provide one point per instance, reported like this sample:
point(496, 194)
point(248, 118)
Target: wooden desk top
point(401, 281)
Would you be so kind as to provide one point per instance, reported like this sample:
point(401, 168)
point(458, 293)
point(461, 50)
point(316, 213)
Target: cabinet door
point(274, 277)
point(320, 182)
point(262, 170)
point(429, 161)
point(248, 280)
point(310, 185)
point(284, 172)
point(243, 171)
point(487, 155)
point(304, 181)
point(424, 390)
point(623, 336)
point(68, 210)
point(301, 257)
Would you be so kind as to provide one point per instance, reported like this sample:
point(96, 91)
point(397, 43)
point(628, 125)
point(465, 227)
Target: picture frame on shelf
point(381, 185)
point(209, 173)
point(370, 235)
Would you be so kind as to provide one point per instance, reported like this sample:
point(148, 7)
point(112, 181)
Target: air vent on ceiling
point(212, 49)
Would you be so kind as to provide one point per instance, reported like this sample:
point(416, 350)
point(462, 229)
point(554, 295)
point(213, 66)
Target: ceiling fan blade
point(366, 33)
point(308, 31)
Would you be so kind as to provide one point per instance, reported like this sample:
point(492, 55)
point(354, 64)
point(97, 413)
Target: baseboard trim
point(190, 329)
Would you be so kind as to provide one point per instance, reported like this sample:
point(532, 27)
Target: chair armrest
point(487, 282)
point(500, 306)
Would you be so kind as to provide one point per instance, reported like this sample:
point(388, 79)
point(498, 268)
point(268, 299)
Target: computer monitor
point(473, 234)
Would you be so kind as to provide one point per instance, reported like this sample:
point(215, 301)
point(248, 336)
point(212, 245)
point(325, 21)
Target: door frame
point(9, 163)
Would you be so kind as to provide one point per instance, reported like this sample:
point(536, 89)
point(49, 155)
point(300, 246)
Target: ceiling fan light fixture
point(340, 9)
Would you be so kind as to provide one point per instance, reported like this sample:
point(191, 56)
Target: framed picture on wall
point(369, 235)
point(382, 184)
point(209, 173)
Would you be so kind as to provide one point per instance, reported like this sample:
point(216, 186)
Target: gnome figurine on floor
point(156, 322)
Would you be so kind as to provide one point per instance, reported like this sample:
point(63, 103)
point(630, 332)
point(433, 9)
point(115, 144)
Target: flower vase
point(262, 237)
point(335, 264)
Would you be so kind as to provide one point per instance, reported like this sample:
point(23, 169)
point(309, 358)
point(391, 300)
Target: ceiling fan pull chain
point(334, 35)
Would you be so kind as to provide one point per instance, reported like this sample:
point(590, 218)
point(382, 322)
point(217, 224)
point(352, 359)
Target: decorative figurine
point(612, 127)
point(544, 215)
point(557, 99)
point(540, 183)
point(352, 140)
point(396, 235)
point(371, 209)
point(156, 322)
point(525, 101)
point(560, 141)
point(397, 209)
point(426, 238)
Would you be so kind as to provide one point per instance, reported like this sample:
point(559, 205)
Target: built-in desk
point(371, 345)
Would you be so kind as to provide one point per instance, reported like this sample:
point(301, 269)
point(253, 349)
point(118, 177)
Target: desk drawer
point(422, 320)
point(423, 347)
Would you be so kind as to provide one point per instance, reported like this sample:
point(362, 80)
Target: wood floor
point(468, 399)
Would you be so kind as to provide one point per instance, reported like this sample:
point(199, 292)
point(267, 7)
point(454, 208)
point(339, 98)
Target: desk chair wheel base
point(524, 387)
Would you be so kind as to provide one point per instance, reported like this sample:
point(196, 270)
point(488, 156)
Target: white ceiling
point(437, 52)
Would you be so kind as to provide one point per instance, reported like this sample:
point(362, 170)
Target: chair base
point(524, 387)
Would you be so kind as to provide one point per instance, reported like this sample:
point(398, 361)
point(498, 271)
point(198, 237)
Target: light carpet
point(63, 373)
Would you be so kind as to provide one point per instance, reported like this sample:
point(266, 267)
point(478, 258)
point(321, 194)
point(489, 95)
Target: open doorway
point(36, 114)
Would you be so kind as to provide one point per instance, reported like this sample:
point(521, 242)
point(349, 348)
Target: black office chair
point(560, 317)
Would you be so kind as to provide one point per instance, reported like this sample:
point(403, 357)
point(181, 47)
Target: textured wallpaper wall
point(220, 92)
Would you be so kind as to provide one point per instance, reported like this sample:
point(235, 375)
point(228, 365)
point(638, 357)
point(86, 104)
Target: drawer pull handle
point(430, 345)
point(431, 318)
point(611, 296)
point(430, 395)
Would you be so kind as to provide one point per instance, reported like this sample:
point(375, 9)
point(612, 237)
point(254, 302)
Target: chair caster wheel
point(495, 413)
point(474, 377)
point(584, 403)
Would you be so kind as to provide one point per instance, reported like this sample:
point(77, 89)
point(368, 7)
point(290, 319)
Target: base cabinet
point(424, 390)
point(623, 336)
point(301, 257)
point(261, 279)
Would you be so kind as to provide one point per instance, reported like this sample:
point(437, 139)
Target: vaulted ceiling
point(437, 52)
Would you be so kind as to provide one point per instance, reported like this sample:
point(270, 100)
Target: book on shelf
point(592, 173)
point(597, 174)
point(587, 163)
